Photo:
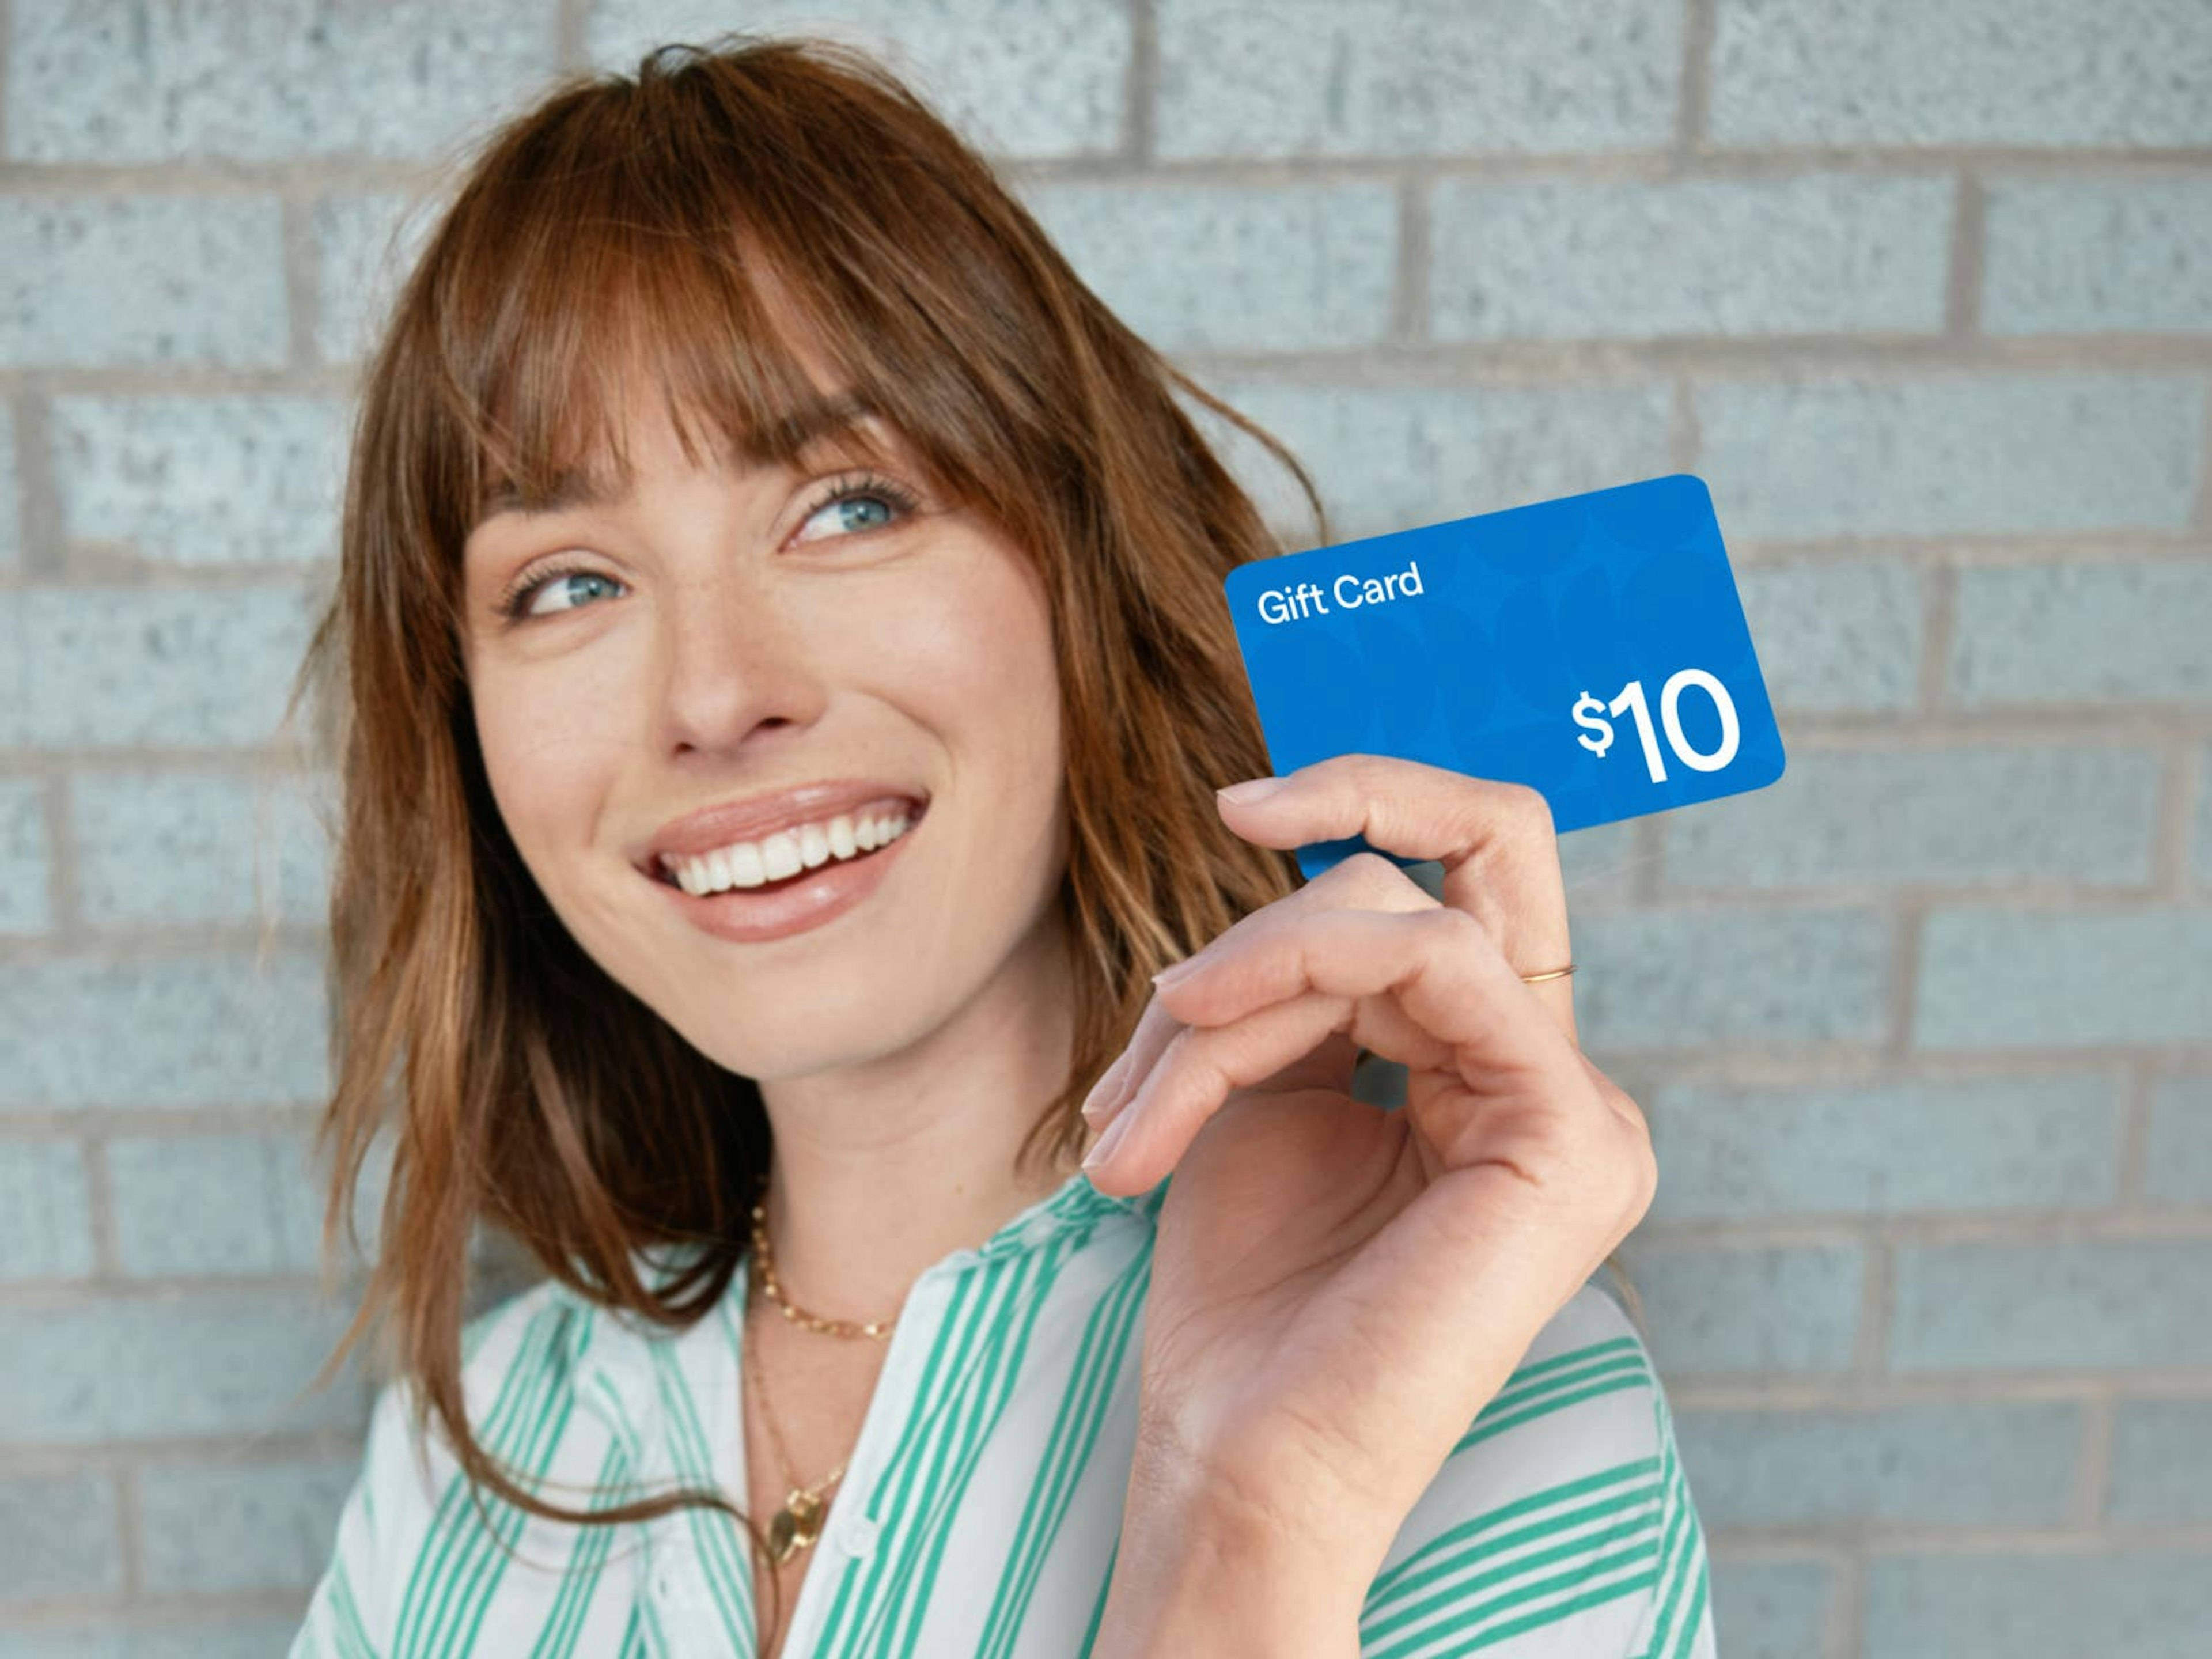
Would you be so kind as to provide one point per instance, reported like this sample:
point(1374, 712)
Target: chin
point(796, 1035)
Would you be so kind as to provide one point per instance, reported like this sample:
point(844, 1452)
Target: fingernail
point(1251, 789)
point(1103, 1091)
point(1175, 971)
point(1115, 1133)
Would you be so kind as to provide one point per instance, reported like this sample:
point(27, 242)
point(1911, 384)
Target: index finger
point(1494, 839)
point(1362, 882)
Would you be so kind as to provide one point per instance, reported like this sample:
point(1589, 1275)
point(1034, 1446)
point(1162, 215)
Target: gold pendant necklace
point(798, 1523)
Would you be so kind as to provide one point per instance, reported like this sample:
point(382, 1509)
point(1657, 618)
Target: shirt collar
point(1074, 1209)
point(616, 1356)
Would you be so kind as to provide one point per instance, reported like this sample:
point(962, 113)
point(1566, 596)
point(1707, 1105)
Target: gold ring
point(1556, 973)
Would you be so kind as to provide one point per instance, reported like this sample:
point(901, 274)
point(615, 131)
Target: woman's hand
point(1337, 1289)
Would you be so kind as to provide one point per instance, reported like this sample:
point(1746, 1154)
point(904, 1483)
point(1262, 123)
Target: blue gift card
point(1592, 648)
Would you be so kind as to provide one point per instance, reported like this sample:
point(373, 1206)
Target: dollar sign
point(1598, 738)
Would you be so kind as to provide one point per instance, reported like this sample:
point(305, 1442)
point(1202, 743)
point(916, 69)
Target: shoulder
point(536, 1339)
point(412, 1520)
point(523, 1373)
point(1561, 1523)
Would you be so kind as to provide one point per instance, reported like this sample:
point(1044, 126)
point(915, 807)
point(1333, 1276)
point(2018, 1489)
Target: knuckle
point(1646, 1189)
point(1368, 771)
point(1366, 865)
point(1634, 1120)
point(1527, 813)
point(1459, 929)
point(1467, 928)
point(1629, 1152)
point(1642, 1175)
point(1368, 876)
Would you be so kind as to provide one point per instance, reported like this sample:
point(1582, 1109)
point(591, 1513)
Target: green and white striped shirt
point(980, 1514)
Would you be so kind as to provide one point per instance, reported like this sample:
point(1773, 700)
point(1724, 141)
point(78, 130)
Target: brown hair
point(674, 228)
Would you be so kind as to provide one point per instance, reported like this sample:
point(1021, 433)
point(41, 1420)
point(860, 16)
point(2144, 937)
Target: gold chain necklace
point(798, 1523)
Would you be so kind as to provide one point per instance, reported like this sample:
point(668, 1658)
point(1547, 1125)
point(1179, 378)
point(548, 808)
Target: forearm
point(1194, 1578)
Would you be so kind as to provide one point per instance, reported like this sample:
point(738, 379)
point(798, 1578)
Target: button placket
point(678, 1583)
point(857, 1535)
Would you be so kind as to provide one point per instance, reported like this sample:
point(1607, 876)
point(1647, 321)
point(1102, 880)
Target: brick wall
point(1923, 291)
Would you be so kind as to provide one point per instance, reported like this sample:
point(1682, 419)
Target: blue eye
point(524, 601)
point(850, 501)
point(867, 489)
point(876, 503)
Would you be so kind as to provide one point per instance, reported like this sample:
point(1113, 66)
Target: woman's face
point(718, 639)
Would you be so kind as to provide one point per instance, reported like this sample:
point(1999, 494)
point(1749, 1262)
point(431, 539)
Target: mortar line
point(2093, 1476)
point(1141, 89)
point(1962, 317)
point(1692, 114)
point(2138, 1085)
point(570, 32)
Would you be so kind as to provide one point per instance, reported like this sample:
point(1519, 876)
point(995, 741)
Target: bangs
point(607, 331)
point(593, 275)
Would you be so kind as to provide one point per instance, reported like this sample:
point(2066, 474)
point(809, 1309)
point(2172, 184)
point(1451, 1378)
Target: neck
point(883, 1168)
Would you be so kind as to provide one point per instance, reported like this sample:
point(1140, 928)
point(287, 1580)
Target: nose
point(730, 658)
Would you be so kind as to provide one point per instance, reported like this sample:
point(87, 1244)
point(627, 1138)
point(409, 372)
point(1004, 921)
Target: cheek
point(978, 649)
point(981, 671)
point(544, 754)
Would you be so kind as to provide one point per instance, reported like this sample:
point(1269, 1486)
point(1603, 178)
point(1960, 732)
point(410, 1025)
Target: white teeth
point(779, 854)
point(745, 869)
point(749, 864)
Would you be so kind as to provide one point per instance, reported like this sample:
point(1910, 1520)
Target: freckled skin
point(737, 645)
point(737, 636)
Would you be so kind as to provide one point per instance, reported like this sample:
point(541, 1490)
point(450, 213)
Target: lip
point(758, 816)
point(747, 916)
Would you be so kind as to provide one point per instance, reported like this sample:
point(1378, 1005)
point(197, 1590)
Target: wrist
point(1197, 1572)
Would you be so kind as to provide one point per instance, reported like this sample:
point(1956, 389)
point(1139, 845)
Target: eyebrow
point(787, 435)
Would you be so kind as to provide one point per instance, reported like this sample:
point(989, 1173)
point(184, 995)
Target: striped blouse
point(980, 1510)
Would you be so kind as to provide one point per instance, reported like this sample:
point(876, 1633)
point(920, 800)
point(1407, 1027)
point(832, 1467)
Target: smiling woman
point(781, 680)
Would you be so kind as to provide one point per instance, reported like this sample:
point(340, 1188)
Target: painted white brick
point(113, 664)
point(1813, 253)
point(1040, 78)
point(111, 82)
point(364, 247)
point(1954, 816)
point(202, 480)
point(117, 280)
point(177, 849)
point(203, 1030)
point(1294, 268)
point(1415, 77)
point(2042, 977)
point(212, 1362)
point(2075, 634)
point(58, 1537)
point(217, 1204)
point(212, 1527)
point(1392, 457)
point(1835, 636)
point(46, 1211)
point(26, 859)
point(2098, 255)
point(2042, 73)
point(11, 517)
point(2028, 452)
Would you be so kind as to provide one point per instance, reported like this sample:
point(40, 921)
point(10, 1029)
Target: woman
point(782, 679)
